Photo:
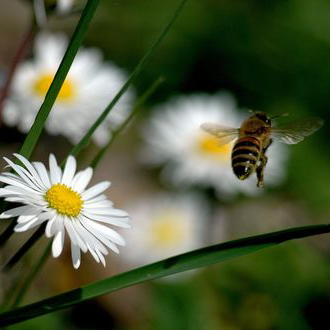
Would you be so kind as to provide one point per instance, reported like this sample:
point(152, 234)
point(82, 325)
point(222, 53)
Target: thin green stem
point(35, 270)
point(19, 55)
point(24, 249)
point(74, 44)
point(85, 140)
point(136, 109)
point(194, 259)
point(6, 234)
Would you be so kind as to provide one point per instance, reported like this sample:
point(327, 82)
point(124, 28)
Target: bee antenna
point(285, 114)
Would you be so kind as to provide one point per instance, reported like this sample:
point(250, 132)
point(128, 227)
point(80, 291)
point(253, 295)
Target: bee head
point(262, 116)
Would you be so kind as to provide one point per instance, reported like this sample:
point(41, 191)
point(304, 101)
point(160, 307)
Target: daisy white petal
point(80, 182)
point(97, 199)
point(90, 238)
point(42, 172)
point(99, 254)
point(21, 210)
point(31, 169)
point(109, 220)
point(108, 212)
point(51, 226)
point(53, 197)
point(25, 218)
point(107, 232)
point(20, 227)
point(23, 173)
point(69, 170)
point(97, 205)
point(54, 169)
point(95, 190)
point(17, 183)
point(75, 255)
point(93, 253)
point(58, 243)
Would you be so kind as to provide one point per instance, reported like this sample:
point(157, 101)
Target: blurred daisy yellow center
point(167, 230)
point(43, 82)
point(64, 200)
point(209, 145)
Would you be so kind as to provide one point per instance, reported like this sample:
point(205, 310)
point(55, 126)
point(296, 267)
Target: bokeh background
point(272, 56)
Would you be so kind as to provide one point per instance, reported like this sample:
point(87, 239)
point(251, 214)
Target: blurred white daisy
point(64, 6)
point(165, 225)
point(61, 199)
point(88, 89)
point(192, 157)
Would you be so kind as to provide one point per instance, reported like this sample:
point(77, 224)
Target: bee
point(255, 136)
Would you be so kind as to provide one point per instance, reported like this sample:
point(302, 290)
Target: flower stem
point(29, 279)
point(19, 55)
point(136, 108)
point(26, 246)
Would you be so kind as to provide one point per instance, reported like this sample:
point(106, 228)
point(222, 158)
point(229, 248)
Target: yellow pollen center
point(167, 230)
point(64, 200)
point(43, 82)
point(209, 145)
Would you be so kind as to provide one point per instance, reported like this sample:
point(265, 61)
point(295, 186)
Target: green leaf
point(75, 42)
point(195, 259)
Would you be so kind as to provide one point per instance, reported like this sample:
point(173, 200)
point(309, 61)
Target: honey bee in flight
point(255, 136)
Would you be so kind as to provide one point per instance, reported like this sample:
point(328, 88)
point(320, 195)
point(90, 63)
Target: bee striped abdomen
point(245, 156)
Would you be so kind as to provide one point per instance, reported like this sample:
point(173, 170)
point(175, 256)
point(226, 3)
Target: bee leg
point(261, 167)
point(260, 170)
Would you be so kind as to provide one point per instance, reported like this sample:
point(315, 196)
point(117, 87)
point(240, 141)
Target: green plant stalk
point(136, 109)
point(195, 259)
point(28, 280)
point(55, 87)
point(85, 140)
point(26, 246)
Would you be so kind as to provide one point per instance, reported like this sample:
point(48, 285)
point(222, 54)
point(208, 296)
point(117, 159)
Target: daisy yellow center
point(209, 145)
point(64, 200)
point(43, 82)
point(167, 230)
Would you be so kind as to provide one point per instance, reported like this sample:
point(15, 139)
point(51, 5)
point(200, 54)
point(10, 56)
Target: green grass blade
point(85, 140)
point(136, 109)
point(75, 42)
point(195, 259)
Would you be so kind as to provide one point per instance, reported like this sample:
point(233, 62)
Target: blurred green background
point(273, 56)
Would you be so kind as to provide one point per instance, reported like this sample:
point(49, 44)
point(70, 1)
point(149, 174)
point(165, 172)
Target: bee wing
point(294, 132)
point(225, 134)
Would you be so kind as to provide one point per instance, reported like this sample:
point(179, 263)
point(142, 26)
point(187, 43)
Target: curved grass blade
point(74, 44)
point(195, 259)
point(136, 109)
point(86, 138)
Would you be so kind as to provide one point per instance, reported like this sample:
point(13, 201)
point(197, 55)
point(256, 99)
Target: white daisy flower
point(61, 199)
point(194, 157)
point(88, 89)
point(165, 225)
point(64, 6)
